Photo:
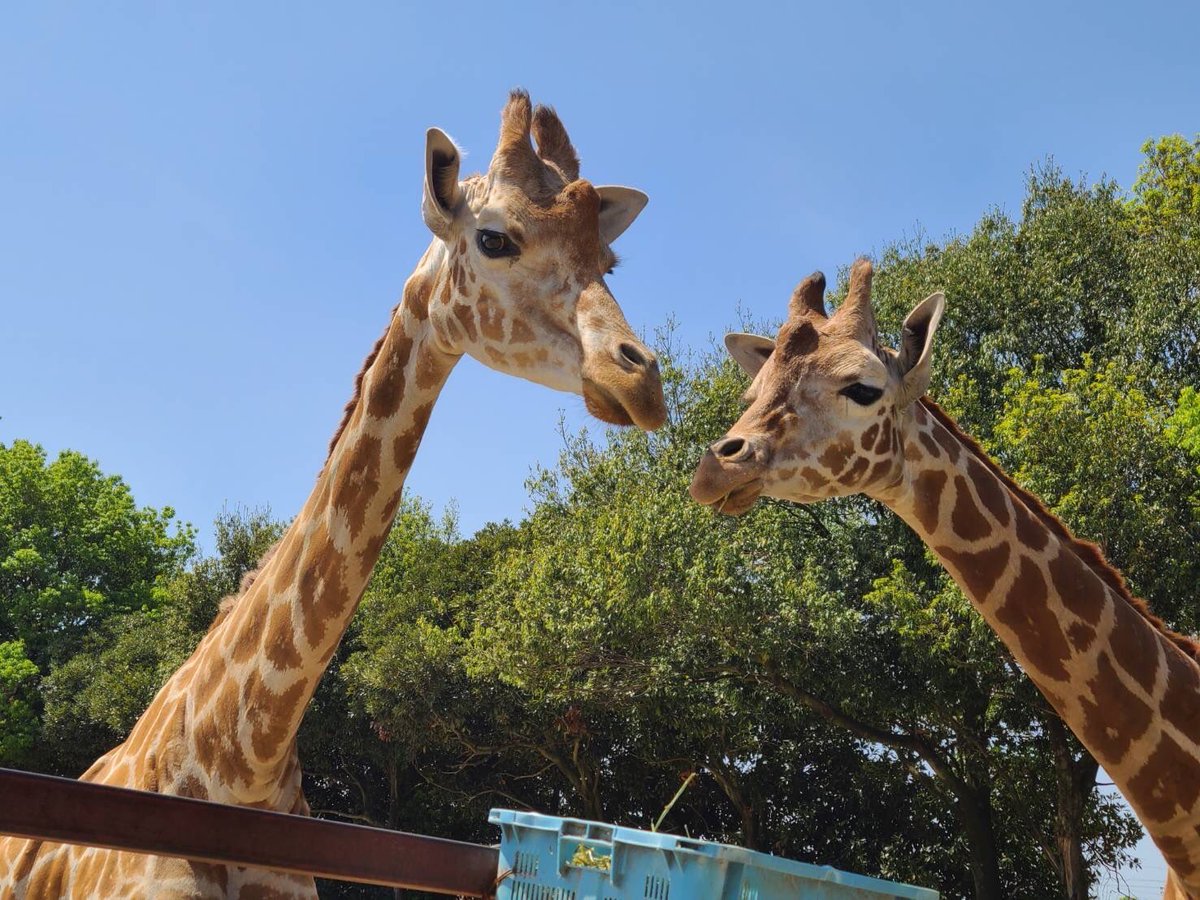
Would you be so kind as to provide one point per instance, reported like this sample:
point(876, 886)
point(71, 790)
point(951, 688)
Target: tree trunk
point(1075, 779)
point(975, 813)
point(730, 786)
point(587, 781)
point(393, 813)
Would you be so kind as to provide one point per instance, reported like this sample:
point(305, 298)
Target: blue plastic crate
point(552, 858)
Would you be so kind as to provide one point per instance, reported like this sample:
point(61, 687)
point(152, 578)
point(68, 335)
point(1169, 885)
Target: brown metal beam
point(77, 812)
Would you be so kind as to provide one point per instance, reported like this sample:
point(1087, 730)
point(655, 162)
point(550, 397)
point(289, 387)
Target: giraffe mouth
point(739, 500)
point(601, 403)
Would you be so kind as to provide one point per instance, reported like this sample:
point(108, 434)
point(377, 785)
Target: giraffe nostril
point(632, 355)
point(730, 448)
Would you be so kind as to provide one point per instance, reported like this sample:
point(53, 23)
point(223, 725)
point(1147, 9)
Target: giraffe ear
point(442, 193)
point(750, 350)
point(916, 346)
point(619, 206)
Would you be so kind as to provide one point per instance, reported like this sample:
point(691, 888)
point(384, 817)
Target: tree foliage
point(75, 549)
point(18, 703)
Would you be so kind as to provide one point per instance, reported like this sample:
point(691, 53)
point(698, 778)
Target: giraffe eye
point(862, 394)
point(495, 245)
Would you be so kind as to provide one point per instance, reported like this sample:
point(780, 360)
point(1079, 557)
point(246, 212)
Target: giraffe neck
point(1127, 687)
point(251, 679)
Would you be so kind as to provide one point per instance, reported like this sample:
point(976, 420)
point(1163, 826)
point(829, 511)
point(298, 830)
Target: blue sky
point(207, 211)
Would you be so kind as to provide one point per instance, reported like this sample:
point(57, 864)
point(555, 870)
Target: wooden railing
point(76, 812)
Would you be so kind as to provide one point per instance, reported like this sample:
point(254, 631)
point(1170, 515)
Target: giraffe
point(514, 277)
point(831, 412)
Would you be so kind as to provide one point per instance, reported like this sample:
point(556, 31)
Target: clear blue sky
point(207, 211)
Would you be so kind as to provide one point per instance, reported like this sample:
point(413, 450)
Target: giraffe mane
point(358, 380)
point(225, 607)
point(1087, 551)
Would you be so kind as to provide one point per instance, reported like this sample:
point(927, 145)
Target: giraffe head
point(827, 405)
point(527, 249)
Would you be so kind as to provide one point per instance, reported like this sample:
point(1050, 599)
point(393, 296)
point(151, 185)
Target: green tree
point(75, 549)
point(18, 703)
point(1166, 195)
point(1184, 426)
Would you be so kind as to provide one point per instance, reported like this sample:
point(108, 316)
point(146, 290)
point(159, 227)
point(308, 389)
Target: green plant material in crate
point(587, 858)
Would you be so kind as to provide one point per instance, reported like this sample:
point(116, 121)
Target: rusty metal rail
point(76, 812)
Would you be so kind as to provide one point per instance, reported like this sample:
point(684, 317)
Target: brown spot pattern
point(1181, 703)
point(929, 444)
point(1081, 636)
point(1166, 783)
point(966, 519)
point(249, 633)
point(387, 379)
point(416, 297)
point(885, 440)
point(47, 881)
point(491, 315)
point(521, 333)
point(215, 740)
point(835, 456)
point(855, 471)
point(927, 497)
point(203, 685)
point(466, 318)
point(946, 439)
point(1135, 644)
point(879, 470)
point(322, 588)
point(989, 489)
point(370, 553)
point(868, 437)
point(1027, 614)
point(430, 367)
point(405, 445)
point(1175, 852)
point(389, 508)
point(912, 452)
point(357, 481)
point(978, 570)
point(193, 787)
point(267, 739)
point(813, 477)
point(1030, 532)
point(1077, 586)
point(1116, 717)
point(280, 643)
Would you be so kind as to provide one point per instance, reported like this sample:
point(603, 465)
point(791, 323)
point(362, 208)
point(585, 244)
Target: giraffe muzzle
point(625, 388)
point(729, 476)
